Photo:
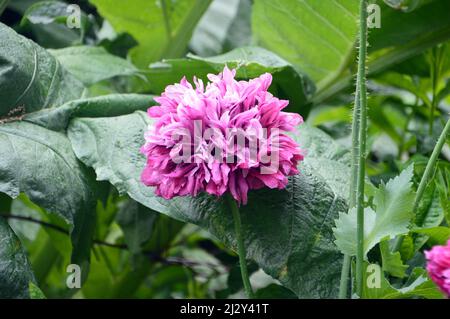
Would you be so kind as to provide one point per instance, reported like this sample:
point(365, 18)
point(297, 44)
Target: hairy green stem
point(361, 78)
point(241, 247)
point(345, 271)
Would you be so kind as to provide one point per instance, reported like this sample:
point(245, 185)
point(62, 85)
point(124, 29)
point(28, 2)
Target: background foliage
point(72, 105)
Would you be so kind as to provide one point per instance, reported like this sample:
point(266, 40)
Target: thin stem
point(343, 287)
point(241, 247)
point(425, 177)
point(361, 77)
point(57, 228)
point(355, 148)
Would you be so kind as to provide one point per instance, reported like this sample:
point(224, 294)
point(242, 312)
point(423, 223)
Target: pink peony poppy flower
point(225, 136)
point(438, 266)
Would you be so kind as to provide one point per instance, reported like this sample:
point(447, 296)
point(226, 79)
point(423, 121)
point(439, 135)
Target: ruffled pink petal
point(220, 106)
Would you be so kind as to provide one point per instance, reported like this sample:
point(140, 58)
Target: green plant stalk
point(426, 176)
point(241, 247)
point(361, 78)
point(383, 62)
point(177, 40)
point(431, 165)
point(167, 26)
point(344, 277)
point(352, 196)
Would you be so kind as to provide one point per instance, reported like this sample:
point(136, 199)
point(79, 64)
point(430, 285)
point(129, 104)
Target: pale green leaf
point(93, 64)
point(101, 106)
point(225, 25)
point(438, 235)
point(418, 285)
point(393, 203)
point(318, 37)
point(392, 261)
point(162, 28)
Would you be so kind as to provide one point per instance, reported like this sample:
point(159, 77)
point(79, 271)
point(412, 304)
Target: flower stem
point(431, 165)
point(362, 93)
point(345, 271)
point(344, 277)
point(241, 247)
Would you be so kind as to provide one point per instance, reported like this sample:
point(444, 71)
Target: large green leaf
point(41, 164)
point(31, 79)
point(136, 222)
point(393, 203)
point(162, 28)
point(287, 232)
point(225, 25)
point(101, 106)
point(249, 62)
point(126, 134)
point(438, 235)
point(93, 64)
point(401, 36)
point(15, 270)
point(318, 37)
